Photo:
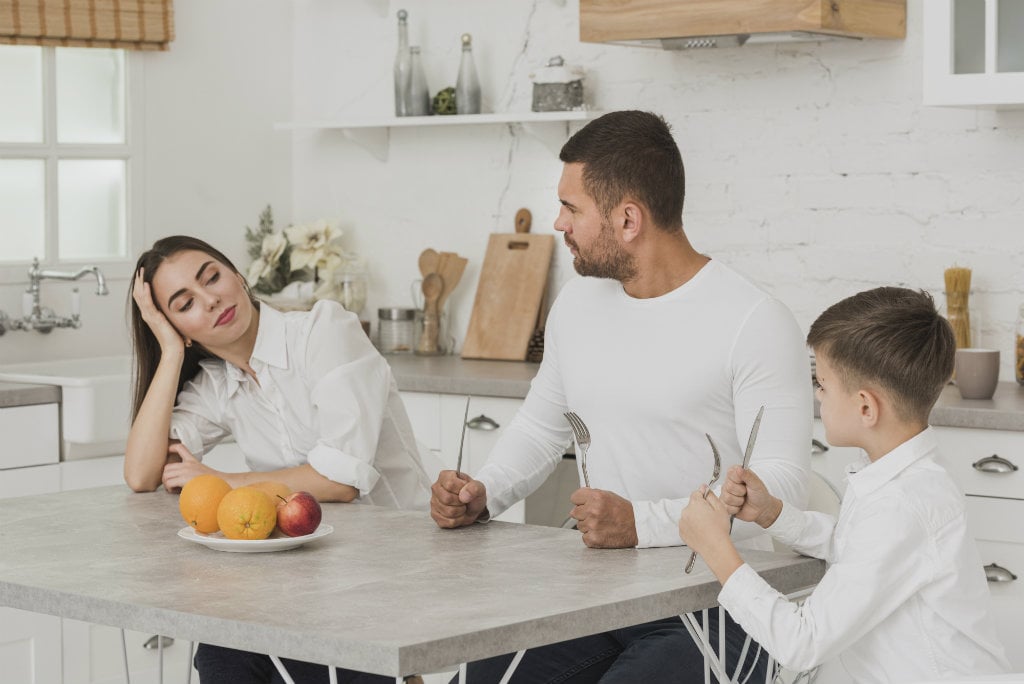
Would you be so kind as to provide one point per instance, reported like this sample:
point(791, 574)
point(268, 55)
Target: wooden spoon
point(428, 261)
point(451, 270)
point(433, 286)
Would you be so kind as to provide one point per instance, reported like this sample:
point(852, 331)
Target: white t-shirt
point(650, 377)
point(904, 598)
point(325, 397)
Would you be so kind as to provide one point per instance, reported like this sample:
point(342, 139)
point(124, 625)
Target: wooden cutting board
point(509, 293)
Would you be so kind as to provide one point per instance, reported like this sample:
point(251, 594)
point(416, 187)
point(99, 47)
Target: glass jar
point(396, 330)
point(1018, 361)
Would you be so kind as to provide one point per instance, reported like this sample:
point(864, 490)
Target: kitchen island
point(386, 592)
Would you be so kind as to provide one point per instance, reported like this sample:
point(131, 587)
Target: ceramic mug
point(977, 372)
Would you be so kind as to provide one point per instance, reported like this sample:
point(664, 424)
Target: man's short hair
point(630, 154)
point(892, 337)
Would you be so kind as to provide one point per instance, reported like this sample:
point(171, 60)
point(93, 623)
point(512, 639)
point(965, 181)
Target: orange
point(274, 489)
point(199, 500)
point(246, 513)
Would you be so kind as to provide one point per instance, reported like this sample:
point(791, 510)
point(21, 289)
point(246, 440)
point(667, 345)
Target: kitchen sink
point(95, 395)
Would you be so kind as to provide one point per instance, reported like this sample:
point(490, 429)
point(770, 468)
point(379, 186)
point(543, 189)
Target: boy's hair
point(892, 337)
point(631, 154)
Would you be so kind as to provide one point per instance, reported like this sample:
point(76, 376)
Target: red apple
point(298, 514)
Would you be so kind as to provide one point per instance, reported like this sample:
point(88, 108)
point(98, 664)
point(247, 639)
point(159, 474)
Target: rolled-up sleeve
point(351, 382)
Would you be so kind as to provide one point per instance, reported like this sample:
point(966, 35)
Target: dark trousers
point(660, 652)
point(219, 665)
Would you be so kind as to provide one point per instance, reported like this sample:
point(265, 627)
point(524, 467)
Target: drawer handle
point(482, 422)
point(156, 641)
point(818, 447)
point(997, 573)
point(994, 464)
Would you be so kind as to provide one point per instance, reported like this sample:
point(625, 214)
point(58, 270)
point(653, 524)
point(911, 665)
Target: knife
point(750, 449)
point(462, 442)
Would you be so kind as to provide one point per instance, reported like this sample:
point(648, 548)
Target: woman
point(305, 395)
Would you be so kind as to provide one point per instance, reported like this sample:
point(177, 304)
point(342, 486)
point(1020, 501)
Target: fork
point(582, 435)
point(715, 472)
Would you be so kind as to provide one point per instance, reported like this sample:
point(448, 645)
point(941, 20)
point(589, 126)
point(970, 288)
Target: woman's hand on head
point(181, 467)
point(167, 336)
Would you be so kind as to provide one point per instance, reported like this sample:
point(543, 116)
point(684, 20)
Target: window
point(66, 155)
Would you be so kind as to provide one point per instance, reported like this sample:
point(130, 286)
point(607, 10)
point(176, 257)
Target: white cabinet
point(93, 654)
point(28, 641)
point(831, 461)
point(986, 464)
point(31, 435)
point(974, 52)
point(437, 423)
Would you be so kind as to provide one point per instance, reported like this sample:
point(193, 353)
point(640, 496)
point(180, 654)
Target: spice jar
point(396, 330)
point(1018, 365)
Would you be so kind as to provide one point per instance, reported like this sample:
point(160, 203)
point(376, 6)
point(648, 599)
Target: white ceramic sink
point(95, 394)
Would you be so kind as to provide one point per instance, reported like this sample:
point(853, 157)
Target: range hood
point(683, 24)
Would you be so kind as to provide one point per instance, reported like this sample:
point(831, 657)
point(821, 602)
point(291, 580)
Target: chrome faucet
point(41, 319)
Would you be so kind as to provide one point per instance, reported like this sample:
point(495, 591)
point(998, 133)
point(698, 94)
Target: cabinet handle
point(818, 447)
point(156, 641)
point(994, 464)
point(997, 573)
point(482, 422)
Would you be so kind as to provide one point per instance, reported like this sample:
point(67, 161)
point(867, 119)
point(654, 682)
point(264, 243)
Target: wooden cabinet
point(986, 464)
point(974, 52)
point(644, 20)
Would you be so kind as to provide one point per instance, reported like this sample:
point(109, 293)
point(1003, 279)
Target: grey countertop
point(387, 592)
point(453, 375)
point(18, 394)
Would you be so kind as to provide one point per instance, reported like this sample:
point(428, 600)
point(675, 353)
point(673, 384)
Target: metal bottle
point(467, 87)
point(403, 67)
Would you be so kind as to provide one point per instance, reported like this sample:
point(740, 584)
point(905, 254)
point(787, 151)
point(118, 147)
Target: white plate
point(218, 541)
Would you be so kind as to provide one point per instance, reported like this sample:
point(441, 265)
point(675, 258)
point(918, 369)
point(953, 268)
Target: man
point(656, 346)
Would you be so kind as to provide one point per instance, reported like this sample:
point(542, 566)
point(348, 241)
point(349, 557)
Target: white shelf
point(551, 128)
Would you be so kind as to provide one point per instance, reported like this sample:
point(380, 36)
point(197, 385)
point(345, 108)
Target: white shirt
point(650, 377)
point(904, 597)
point(325, 397)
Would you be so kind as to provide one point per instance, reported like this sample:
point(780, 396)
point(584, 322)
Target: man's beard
point(605, 258)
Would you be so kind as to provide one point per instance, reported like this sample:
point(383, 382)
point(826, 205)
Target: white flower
point(270, 256)
point(312, 245)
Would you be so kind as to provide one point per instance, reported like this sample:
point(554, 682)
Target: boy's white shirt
point(904, 597)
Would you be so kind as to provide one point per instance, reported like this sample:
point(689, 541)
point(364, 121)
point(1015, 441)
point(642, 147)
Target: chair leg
point(282, 671)
point(124, 657)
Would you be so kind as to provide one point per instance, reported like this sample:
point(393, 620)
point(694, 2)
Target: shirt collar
point(271, 347)
point(887, 467)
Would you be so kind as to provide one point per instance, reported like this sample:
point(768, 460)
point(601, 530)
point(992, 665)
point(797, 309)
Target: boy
point(904, 598)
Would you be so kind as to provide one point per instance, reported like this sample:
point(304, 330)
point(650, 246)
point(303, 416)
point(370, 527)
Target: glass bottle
point(419, 95)
point(402, 66)
point(467, 87)
point(1018, 357)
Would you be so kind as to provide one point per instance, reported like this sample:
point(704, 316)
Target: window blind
point(127, 24)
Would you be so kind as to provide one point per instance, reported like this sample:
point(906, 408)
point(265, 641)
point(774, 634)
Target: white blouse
point(904, 598)
point(325, 396)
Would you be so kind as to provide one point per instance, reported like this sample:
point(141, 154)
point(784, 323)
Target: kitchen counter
point(387, 592)
point(453, 375)
point(19, 394)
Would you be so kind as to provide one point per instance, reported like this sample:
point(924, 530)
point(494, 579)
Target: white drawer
point(31, 435)
point(1007, 596)
point(982, 461)
point(994, 519)
point(29, 481)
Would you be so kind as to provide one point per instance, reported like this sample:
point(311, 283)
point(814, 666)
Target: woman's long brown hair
point(145, 347)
